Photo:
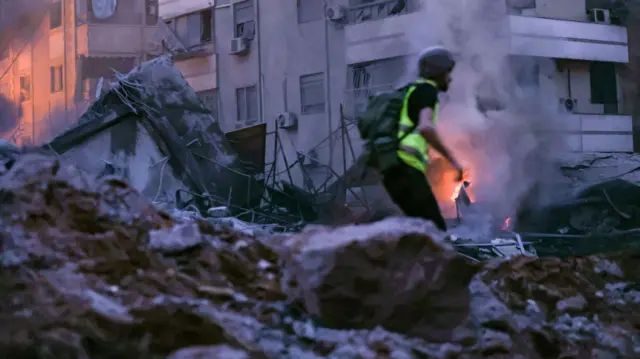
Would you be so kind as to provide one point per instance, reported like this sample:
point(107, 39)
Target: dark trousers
point(410, 190)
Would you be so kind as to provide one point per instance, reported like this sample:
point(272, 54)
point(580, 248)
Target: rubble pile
point(90, 269)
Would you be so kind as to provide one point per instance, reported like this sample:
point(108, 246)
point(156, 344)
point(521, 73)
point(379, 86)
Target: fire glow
point(456, 191)
point(507, 224)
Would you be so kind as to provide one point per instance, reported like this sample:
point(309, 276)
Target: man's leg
point(410, 190)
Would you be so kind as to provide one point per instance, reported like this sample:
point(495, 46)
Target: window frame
point(58, 9)
point(242, 111)
point(306, 84)
point(56, 72)
point(22, 87)
point(246, 27)
point(173, 25)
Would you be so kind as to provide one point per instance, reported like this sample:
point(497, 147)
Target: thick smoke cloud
point(505, 147)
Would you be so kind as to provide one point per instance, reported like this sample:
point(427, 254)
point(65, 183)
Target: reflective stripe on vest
point(413, 148)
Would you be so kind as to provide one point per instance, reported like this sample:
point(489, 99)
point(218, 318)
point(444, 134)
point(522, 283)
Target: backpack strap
point(415, 126)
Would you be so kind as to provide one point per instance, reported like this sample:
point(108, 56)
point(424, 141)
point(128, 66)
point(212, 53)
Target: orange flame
point(506, 225)
point(456, 191)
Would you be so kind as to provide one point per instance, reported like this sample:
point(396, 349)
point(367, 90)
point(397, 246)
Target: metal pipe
point(327, 86)
point(260, 75)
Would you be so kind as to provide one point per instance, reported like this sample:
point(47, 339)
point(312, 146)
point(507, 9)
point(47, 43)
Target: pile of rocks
point(90, 269)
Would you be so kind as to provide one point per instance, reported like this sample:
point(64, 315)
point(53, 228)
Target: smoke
point(506, 149)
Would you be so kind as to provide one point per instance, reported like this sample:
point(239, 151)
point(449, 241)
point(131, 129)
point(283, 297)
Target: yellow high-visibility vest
point(413, 148)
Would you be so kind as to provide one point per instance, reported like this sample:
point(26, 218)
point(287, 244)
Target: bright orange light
point(507, 224)
point(456, 191)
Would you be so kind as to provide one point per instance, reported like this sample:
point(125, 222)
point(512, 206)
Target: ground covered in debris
point(90, 269)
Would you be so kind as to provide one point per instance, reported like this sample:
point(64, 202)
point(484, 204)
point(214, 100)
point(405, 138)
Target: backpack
point(378, 127)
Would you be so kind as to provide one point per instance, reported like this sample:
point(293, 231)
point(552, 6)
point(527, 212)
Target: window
point(25, 88)
point(4, 11)
point(152, 12)
point(243, 18)
point(247, 102)
point(209, 99)
point(310, 10)
point(604, 89)
point(193, 29)
point(57, 81)
point(312, 94)
point(55, 15)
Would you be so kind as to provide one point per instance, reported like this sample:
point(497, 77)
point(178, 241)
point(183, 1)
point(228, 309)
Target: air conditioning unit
point(287, 120)
point(336, 13)
point(600, 16)
point(239, 45)
point(568, 104)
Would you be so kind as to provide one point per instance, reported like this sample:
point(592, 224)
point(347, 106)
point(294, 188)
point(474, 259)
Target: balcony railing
point(379, 10)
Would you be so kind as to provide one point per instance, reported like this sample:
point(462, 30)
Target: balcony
point(582, 132)
point(106, 39)
point(361, 11)
point(530, 36)
point(534, 36)
point(597, 132)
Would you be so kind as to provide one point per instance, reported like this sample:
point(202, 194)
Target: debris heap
point(91, 270)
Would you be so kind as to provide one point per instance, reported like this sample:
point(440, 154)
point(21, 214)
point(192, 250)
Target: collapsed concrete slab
point(152, 129)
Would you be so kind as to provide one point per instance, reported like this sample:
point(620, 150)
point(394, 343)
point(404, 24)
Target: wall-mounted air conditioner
point(600, 16)
point(336, 13)
point(287, 120)
point(239, 46)
point(568, 104)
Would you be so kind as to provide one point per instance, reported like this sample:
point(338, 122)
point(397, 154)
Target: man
point(407, 183)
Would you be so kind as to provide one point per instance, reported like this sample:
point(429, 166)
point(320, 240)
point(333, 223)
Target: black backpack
point(378, 127)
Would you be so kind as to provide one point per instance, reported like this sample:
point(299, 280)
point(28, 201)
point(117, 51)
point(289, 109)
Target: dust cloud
point(493, 117)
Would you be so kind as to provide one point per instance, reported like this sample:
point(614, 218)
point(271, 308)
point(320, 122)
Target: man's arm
point(430, 134)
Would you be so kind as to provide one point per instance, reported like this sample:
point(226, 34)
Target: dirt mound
point(91, 270)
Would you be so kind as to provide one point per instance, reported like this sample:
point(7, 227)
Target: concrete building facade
point(52, 74)
point(311, 64)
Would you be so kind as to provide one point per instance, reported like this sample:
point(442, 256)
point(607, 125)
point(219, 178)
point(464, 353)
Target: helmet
point(435, 61)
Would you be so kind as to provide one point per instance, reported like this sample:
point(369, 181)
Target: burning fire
point(456, 191)
point(506, 225)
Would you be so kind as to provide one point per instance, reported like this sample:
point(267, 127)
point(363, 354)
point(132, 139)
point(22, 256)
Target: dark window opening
point(55, 15)
point(25, 88)
point(604, 85)
point(57, 80)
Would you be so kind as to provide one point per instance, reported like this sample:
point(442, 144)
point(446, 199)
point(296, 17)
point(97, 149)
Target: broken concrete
point(83, 277)
point(152, 129)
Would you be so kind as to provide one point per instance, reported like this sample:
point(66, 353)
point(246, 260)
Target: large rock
point(397, 273)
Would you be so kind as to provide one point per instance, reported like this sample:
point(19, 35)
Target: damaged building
point(306, 69)
point(51, 73)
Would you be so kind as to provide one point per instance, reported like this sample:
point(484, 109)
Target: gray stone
point(572, 304)
point(494, 342)
point(208, 352)
point(487, 310)
point(397, 273)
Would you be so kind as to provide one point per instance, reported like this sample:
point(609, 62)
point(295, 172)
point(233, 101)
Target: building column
point(633, 35)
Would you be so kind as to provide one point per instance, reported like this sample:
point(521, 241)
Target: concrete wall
point(284, 50)
point(562, 9)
